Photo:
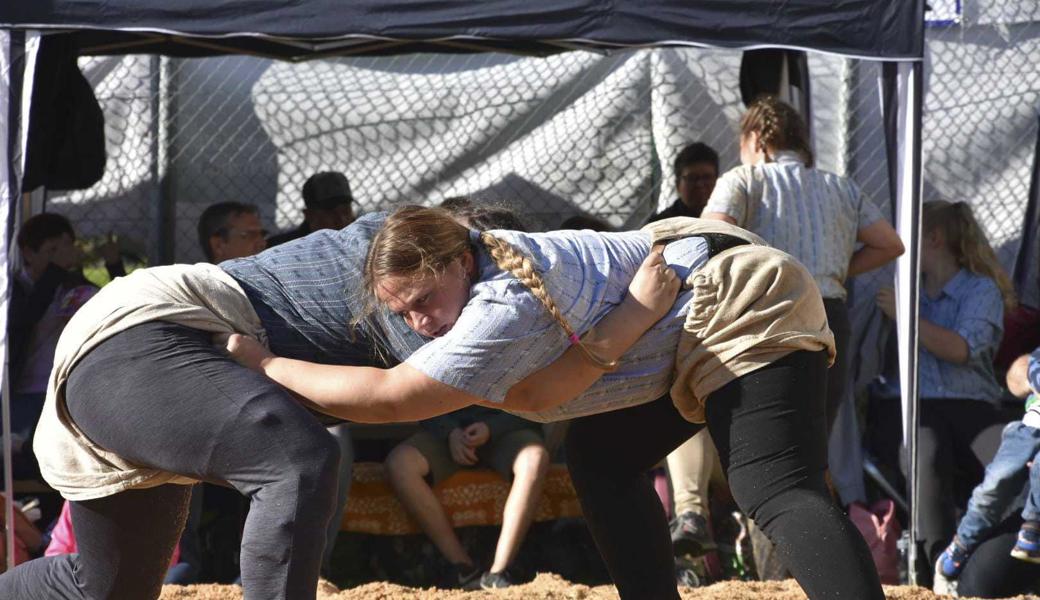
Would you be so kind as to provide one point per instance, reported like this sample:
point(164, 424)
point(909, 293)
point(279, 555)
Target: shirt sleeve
point(500, 338)
point(980, 319)
point(731, 194)
point(869, 213)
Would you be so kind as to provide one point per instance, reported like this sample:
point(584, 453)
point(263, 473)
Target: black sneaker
point(460, 577)
point(494, 581)
point(690, 535)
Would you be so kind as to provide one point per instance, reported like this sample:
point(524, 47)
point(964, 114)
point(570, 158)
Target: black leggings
point(956, 440)
point(160, 395)
point(770, 429)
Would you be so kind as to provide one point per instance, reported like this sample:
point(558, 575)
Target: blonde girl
point(964, 295)
point(743, 347)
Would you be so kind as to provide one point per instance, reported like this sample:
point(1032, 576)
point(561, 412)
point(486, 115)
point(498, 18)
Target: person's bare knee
point(1018, 377)
point(531, 462)
point(406, 463)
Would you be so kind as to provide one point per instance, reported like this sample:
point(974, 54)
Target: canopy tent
point(885, 30)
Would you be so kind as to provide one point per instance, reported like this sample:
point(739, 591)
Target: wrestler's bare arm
point(403, 393)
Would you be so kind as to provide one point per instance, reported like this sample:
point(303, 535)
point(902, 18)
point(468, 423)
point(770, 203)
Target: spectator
point(816, 216)
point(1015, 466)
point(470, 438)
point(964, 295)
point(580, 222)
point(45, 294)
point(696, 168)
point(328, 204)
point(230, 230)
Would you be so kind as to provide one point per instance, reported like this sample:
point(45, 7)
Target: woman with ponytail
point(963, 297)
point(587, 326)
point(816, 216)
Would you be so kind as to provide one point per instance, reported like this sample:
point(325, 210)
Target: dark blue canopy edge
point(300, 29)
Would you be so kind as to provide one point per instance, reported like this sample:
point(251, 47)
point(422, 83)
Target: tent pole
point(908, 210)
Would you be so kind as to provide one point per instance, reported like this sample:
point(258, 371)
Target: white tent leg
point(908, 210)
point(17, 63)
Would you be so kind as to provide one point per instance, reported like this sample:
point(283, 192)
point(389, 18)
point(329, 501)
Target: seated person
point(696, 170)
point(231, 230)
point(328, 204)
point(1016, 465)
point(472, 437)
point(45, 294)
point(964, 293)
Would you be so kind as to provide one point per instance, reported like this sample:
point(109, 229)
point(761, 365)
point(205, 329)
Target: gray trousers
point(162, 396)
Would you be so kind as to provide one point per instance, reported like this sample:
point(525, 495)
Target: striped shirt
point(811, 214)
point(307, 292)
point(504, 333)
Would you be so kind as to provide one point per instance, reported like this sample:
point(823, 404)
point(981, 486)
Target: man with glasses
point(696, 168)
point(231, 230)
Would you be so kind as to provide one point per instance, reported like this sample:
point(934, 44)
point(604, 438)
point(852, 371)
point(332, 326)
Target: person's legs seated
point(1005, 476)
point(408, 466)
point(691, 466)
point(522, 456)
point(1027, 545)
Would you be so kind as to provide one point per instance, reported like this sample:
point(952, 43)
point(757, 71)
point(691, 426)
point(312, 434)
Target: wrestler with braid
point(744, 347)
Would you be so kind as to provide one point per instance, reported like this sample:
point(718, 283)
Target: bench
point(469, 497)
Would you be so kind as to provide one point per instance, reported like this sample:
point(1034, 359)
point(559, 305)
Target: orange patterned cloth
point(470, 497)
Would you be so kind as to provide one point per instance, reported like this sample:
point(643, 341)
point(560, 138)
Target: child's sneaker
point(948, 567)
point(1027, 546)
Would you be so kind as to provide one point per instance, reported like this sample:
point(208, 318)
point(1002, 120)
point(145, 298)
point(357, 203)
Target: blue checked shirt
point(811, 214)
point(971, 306)
point(504, 333)
point(308, 291)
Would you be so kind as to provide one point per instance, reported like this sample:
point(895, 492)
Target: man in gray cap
point(328, 204)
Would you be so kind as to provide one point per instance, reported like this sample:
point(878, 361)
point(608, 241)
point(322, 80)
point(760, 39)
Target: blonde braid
point(779, 126)
point(514, 262)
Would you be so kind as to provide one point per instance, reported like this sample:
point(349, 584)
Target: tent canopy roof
point(300, 29)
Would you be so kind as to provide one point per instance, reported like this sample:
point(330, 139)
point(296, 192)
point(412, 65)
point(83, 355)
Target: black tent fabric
point(878, 29)
point(1026, 261)
point(66, 142)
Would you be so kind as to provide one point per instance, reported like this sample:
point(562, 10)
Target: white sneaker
point(941, 584)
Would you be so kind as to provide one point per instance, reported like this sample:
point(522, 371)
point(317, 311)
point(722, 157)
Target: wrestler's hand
point(247, 351)
point(460, 451)
point(655, 286)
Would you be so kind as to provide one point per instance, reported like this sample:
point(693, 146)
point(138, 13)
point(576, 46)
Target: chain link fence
point(577, 132)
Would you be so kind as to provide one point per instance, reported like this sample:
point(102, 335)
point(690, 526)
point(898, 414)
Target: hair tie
point(575, 340)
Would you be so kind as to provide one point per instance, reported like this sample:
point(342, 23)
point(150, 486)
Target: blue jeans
point(1005, 478)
